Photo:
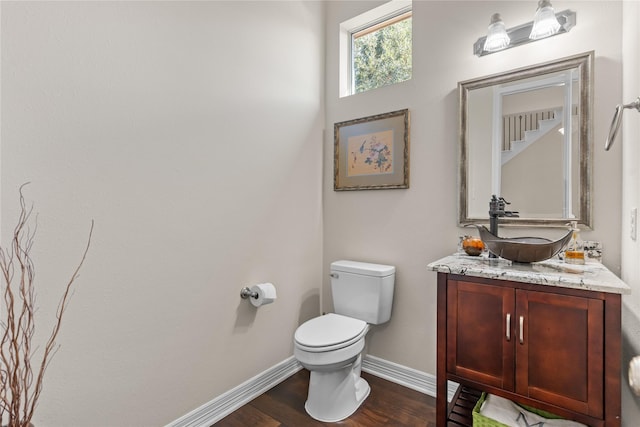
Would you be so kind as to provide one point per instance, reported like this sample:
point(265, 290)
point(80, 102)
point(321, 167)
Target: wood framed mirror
point(525, 135)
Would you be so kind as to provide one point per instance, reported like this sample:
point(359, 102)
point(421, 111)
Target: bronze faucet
point(496, 210)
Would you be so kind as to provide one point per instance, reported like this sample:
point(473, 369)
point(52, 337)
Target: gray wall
point(191, 132)
point(628, 144)
point(410, 228)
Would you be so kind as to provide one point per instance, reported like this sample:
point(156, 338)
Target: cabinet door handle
point(521, 329)
point(508, 326)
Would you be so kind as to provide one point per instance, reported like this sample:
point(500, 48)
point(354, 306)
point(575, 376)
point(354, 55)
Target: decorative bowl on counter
point(523, 249)
point(472, 245)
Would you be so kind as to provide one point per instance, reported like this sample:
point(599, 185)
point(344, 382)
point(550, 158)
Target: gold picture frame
point(372, 153)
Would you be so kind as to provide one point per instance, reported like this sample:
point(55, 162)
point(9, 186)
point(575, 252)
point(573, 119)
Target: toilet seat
point(329, 332)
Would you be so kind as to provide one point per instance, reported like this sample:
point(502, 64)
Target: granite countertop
point(592, 276)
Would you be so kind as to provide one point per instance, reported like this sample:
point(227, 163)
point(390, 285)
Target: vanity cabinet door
point(480, 339)
point(563, 356)
point(559, 350)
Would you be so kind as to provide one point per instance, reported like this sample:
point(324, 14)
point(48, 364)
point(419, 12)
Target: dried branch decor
point(21, 377)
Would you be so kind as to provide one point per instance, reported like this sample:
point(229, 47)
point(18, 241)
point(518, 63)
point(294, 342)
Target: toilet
point(330, 346)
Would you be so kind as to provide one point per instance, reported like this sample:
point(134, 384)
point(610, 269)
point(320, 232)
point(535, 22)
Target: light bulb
point(545, 23)
point(497, 37)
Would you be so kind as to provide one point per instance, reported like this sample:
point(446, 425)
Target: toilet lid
point(329, 330)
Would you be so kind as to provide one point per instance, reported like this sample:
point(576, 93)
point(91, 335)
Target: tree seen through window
point(382, 54)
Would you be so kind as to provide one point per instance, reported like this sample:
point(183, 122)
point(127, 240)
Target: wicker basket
point(480, 420)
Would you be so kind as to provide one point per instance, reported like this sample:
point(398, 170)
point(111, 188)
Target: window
point(382, 54)
point(376, 48)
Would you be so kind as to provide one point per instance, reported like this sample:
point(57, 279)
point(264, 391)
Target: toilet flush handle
point(334, 275)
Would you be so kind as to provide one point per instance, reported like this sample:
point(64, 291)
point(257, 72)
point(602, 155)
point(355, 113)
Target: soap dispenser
point(574, 254)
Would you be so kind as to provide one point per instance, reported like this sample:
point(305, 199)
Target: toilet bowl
point(330, 346)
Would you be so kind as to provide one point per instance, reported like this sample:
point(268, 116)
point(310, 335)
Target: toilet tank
point(363, 290)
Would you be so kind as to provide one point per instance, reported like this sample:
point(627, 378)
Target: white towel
point(508, 413)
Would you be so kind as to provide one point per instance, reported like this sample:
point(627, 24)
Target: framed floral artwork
point(372, 153)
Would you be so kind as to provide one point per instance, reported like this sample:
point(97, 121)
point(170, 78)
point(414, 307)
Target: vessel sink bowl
point(523, 249)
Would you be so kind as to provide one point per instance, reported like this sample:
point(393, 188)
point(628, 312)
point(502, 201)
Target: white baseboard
point(405, 376)
point(215, 410)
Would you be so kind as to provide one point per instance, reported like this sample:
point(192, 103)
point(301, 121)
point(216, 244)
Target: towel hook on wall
point(617, 120)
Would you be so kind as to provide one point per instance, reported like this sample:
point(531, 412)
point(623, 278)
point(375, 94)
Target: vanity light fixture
point(497, 37)
point(545, 24)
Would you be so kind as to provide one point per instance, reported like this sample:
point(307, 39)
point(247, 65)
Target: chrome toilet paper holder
point(246, 292)
point(260, 294)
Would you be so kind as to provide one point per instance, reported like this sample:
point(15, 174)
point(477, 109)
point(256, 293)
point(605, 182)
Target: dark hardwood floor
point(389, 404)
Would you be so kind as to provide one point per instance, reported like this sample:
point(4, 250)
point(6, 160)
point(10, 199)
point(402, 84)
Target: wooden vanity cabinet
point(552, 348)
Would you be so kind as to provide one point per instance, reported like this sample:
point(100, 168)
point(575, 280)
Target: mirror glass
point(525, 135)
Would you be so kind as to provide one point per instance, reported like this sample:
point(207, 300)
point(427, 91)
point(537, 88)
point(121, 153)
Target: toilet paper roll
point(266, 294)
